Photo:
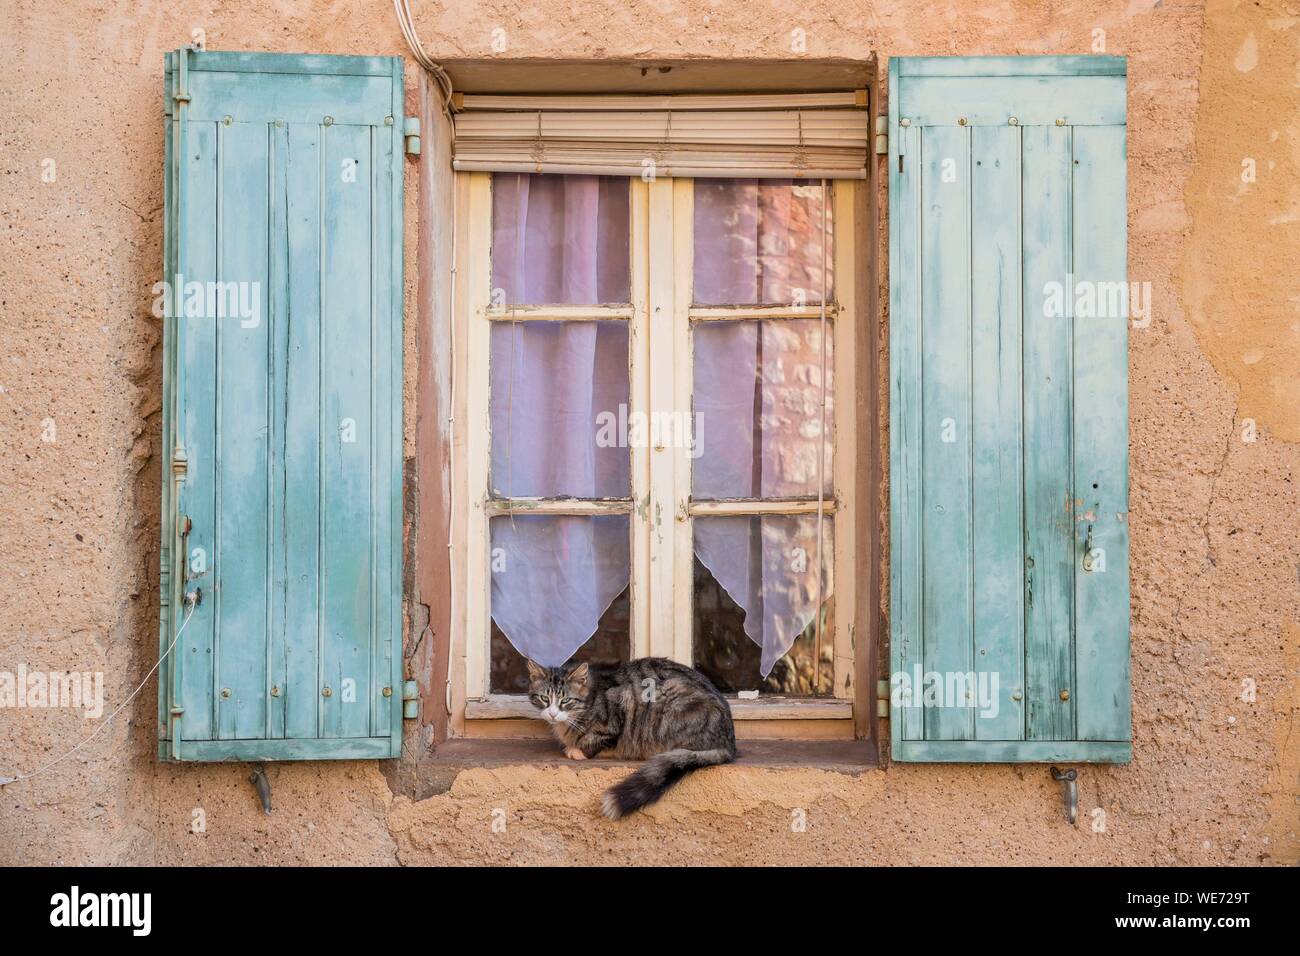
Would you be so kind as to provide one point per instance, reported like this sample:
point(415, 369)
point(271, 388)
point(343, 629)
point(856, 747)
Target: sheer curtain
point(757, 404)
point(757, 401)
point(557, 240)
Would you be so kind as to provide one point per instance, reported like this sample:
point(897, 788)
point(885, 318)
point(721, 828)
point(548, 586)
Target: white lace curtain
point(564, 240)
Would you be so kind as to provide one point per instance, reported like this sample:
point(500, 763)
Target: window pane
point(554, 579)
point(559, 240)
point(754, 598)
point(558, 409)
point(611, 644)
point(759, 242)
point(757, 409)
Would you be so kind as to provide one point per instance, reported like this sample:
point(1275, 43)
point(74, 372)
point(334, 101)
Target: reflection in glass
point(759, 242)
point(755, 599)
point(757, 409)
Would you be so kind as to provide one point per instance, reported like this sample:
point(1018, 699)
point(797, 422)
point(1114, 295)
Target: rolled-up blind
point(809, 135)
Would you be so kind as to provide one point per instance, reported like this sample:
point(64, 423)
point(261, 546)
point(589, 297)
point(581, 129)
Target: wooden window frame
point(661, 226)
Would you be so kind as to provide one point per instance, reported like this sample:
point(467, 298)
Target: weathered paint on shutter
point(282, 429)
point(1008, 425)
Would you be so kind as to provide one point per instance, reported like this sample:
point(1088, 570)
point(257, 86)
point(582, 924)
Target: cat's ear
point(579, 674)
point(536, 671)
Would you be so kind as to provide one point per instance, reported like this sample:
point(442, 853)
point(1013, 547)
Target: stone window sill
point(840, 756)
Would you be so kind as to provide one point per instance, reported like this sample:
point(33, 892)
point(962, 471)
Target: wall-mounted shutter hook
point(1069, 781)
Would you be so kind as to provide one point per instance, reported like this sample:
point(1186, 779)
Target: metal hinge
point(411, 130)
point(410, 700)
point(882, 698)
point(882, 135)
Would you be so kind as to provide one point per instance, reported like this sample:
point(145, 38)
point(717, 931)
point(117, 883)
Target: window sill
point(517, 707)
point(839, 756)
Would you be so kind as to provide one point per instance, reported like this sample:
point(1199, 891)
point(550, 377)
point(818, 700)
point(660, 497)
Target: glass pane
point(758, 416)
point(611, 644)
point(554, 579)
point(755, 592)
point(560, 240)
point(759, 242)
point(559, 409)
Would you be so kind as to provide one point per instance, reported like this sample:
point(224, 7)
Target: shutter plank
point(243, 435)
point(347, 438)
point(996, 428)
point(945, 441)
point(1032, 100)
point(378, 174)
point(303, 434)
point(196, 431)
point(1048, 505)
point(905, 426)
point(1100, 438)
point(278, 299)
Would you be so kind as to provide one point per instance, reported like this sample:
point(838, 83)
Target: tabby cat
point(649, 709)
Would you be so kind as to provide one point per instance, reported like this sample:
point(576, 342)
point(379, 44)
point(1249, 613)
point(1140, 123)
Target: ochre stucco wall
point(1215, 518)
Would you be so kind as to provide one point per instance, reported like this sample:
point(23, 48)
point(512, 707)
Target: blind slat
point(831, 141)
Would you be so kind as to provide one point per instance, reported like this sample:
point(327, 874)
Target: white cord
point(162, 657)
point(407, 23)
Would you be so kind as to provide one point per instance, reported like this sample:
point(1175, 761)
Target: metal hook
point(1069, 780)
point(263, 786)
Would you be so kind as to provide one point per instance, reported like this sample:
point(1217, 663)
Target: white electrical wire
point(162, 657)
point(407, 23)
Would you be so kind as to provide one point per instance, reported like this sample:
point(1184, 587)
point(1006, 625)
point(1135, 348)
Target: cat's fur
point(649, 709)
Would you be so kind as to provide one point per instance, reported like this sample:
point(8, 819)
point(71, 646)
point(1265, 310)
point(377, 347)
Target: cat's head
point(560, 693)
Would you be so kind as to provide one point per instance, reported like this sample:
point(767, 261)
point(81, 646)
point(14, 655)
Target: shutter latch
point(1069, 781)
point(411, 130)
point(262, 785)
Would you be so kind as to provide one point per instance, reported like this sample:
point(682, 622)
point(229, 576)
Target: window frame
point(661, 248)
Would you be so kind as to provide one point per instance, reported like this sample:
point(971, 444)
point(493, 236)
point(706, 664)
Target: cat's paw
point(573, 753)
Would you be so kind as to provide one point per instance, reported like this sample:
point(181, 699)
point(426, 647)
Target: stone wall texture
point(1214, 222)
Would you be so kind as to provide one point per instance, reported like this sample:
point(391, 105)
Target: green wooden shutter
point(282, 407)
point(1008, 409)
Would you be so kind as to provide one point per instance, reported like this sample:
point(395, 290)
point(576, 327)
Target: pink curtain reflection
point(758, 409)
point(768, 566)
point(759, 242)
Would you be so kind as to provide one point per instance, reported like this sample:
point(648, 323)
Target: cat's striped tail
point(654, 778)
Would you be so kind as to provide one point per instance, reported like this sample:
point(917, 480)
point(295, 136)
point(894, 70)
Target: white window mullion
point(682, 373)
point(478, 434)
point(640, 377)
point(845, 435)
point(661, 507)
